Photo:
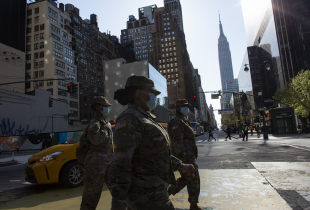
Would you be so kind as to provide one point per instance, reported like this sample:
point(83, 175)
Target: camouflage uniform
point(184, 147)
point(142, 165)
point(97, 160)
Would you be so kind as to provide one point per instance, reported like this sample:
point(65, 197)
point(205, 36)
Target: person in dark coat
point(228, 133)
point(210, 134)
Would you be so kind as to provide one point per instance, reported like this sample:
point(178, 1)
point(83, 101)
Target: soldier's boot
point(194, 206)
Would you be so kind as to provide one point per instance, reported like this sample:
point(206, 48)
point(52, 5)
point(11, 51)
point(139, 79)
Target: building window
point(28, 39)
point(57, 54)
point(65, 42)
point(29, 21)
point(56, 37)
point(35, 55)
point(28, 57)
point(55, 29)
point(41, 73)
point(61, 18)
point(36, 19)
point(28, 66)
point(60, 64)
point(41, 45)
point(41, 35)
point(28, 76)
point(57, 46)
point(53, 20)
point(35, 74)
point(36, 37)
point(60, 73)
point(65, 35)
point(36, 28)
point(69, 52)
point(36, 10)
point(29, 12)
point(36, 46)
point(74, 104)
point(35, 84)
point(41, 27)
point(29, 30)
point(52, 12)
point(42, 54)
point(49, 83)
point(68, 59)
point(41, 64)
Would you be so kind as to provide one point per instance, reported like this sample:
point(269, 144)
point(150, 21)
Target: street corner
point(233, 189)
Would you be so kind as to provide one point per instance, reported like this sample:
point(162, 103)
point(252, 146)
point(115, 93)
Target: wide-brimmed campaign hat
point(100, 100)
point(141, 81)
point(182, 102)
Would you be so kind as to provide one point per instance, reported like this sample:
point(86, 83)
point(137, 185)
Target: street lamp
point(267, 67)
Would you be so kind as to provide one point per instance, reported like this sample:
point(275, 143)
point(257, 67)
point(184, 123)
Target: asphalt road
point(214, 155)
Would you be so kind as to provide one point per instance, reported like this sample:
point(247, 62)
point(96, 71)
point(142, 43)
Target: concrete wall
point(22, 114)
point(12, 68)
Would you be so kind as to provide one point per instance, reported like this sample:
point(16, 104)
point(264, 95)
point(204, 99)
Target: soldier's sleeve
point(127, 137)
point(177, 131)
point(96, 135)
point(176, 163)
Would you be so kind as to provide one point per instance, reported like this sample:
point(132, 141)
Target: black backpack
point(82, 149)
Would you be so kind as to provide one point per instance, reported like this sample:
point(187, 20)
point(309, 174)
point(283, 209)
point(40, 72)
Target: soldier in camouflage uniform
point(184, 147)
point(142, 165)
point(99, 140)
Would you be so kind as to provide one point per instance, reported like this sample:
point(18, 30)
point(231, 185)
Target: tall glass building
point(262, 47)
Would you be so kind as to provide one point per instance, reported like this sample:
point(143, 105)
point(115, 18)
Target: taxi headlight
point(50, 157)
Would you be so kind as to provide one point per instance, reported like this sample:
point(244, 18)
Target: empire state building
point(226, 69)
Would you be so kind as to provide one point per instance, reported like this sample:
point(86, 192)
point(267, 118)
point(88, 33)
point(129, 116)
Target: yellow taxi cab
point(56, 164)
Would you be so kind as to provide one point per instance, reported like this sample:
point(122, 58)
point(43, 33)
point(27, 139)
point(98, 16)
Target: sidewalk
point(6, 159)
point(272, 136)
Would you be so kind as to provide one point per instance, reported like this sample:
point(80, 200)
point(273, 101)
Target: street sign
point(226, 111)
point(269, 101)
point(215, 96)
point(244, 113)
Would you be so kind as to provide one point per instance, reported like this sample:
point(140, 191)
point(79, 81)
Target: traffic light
point(70, 87)
point(50, 102)
point(75, 88)
point(244, 97)
point(268, 114)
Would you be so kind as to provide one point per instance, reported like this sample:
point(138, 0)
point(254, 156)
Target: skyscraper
point(176, 10)
point(225, 66)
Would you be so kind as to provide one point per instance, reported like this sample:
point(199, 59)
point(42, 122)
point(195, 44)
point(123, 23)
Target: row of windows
point(55, 29)
point(35, 20)
point(167, 54)
point(68, 59)
point(57, 46)
point(167, 39)
point(35, 37)
point(68, 52)
point(168, 65)
point(36, 11)
point(39, 64)
point(36, 46)
point(168, 49)
point(169, 70)
point(57, 54)
point(52, 12)
point(53, 20)
point(171, 59)
point(36, 55)
point(39, 27)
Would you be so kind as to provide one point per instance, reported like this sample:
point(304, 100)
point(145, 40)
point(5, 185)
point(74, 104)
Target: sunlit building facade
point(49, 53)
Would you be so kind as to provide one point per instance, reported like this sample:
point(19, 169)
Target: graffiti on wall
point(8, 128)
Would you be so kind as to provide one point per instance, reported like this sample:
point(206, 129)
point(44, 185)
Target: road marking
point(14, 180)
point(199, 140)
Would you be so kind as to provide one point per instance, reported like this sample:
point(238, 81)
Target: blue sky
point(201, 27)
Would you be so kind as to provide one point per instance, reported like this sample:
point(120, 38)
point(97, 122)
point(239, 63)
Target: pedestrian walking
point(228, 134)
point(183, 146)
point(99, 140)
point(210, 134)
point(142, 164)
point(251, 129)
point(245, 133)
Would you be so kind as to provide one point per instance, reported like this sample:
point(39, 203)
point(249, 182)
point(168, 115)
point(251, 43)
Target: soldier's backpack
point(82, 149)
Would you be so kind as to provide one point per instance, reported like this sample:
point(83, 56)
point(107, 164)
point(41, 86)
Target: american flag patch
point(92, 125)
point(174, 127)
point(121, 124)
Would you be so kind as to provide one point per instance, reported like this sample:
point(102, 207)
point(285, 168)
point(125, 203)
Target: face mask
point(152, 103)
point(184, 110)
point(105, 110)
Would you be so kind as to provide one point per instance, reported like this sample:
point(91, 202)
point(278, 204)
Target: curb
point(8, 163)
